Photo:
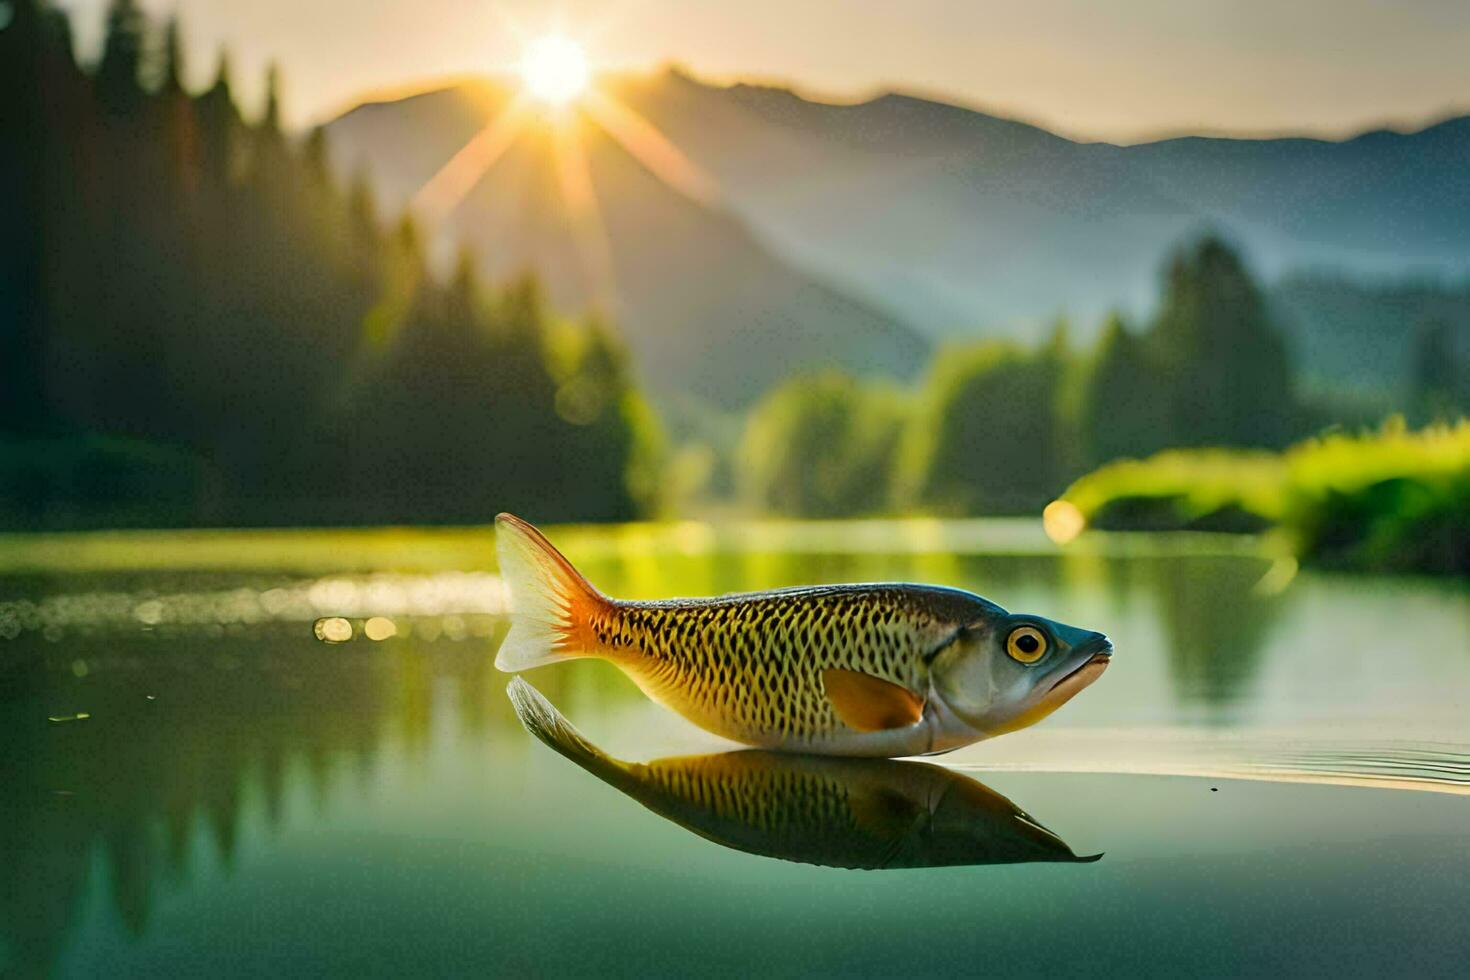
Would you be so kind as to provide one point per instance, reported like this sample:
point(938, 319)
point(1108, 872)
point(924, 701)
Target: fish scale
point(751, 665)
point(769, 799)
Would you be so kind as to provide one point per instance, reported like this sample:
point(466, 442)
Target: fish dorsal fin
point(870, 704)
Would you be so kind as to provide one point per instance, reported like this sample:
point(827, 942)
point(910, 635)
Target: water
point(1274, 770)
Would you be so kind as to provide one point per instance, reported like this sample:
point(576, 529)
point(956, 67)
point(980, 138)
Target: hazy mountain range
point(851, 234)
point(707, 309)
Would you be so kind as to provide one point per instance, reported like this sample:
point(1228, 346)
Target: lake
point(288, 752)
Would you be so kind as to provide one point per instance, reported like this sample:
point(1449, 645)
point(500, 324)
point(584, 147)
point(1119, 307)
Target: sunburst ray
point(579, 196)
point(444, 191)
point(568, 124)
point(652, 148)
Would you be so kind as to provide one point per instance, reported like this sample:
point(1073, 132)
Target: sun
point(554, 69)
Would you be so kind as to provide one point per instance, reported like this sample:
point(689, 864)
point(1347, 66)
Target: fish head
point(1006, 671)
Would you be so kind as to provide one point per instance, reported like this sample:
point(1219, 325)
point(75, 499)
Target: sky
point(1123, 70)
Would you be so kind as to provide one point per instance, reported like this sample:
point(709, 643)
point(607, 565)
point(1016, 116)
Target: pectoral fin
point(884, 813)
point(870, 704)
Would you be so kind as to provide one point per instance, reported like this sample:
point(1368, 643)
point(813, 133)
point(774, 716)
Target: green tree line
point(998, 428)
point(198, 324)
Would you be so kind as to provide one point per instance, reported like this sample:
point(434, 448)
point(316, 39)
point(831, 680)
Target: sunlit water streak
point(476, 595)
point(1295, 755)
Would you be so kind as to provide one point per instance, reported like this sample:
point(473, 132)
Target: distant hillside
point(1380, 202)
point(706, 308)
point(961, 220)
point(1363, 335)
point(841, 223)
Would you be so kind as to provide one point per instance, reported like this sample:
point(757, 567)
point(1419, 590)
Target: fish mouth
point(1098, 654)
point(1094, 654)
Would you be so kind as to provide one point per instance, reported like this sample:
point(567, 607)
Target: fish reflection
point(823, 810)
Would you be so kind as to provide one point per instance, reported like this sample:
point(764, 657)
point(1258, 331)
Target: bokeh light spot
point(379, 628)
point(1062, 521)
point(333, 629)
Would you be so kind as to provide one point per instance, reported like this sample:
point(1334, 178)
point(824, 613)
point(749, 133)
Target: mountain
point(707, 309)
point(961, 220)
point(1357, 336)
point(838, 224)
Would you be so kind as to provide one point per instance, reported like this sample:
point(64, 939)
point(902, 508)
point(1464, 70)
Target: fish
point(854, 813)
point(879, 670)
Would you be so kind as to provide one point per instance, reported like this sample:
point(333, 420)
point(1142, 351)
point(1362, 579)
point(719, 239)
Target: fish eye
point(1026, 644)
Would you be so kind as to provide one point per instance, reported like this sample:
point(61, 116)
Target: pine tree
point(1123, 407)
point(173, 59)
point(22, 169)
point(180, 136)
point(119, 75)
point(1440, 377)
point(1224, 362)
point(362, 220)
point(315, 161)
point(219, 126)
point(271, 120)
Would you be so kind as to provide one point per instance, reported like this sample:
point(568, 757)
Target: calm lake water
point(195, 779)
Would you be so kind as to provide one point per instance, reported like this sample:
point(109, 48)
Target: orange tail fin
point(551, 604)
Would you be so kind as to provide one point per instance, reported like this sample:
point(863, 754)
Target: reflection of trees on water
point(166, 745)
point(1216, 622)
point(127, 790)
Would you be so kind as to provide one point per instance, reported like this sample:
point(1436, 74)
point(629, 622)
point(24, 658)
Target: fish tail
point(551, 604)
point(547, 724)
